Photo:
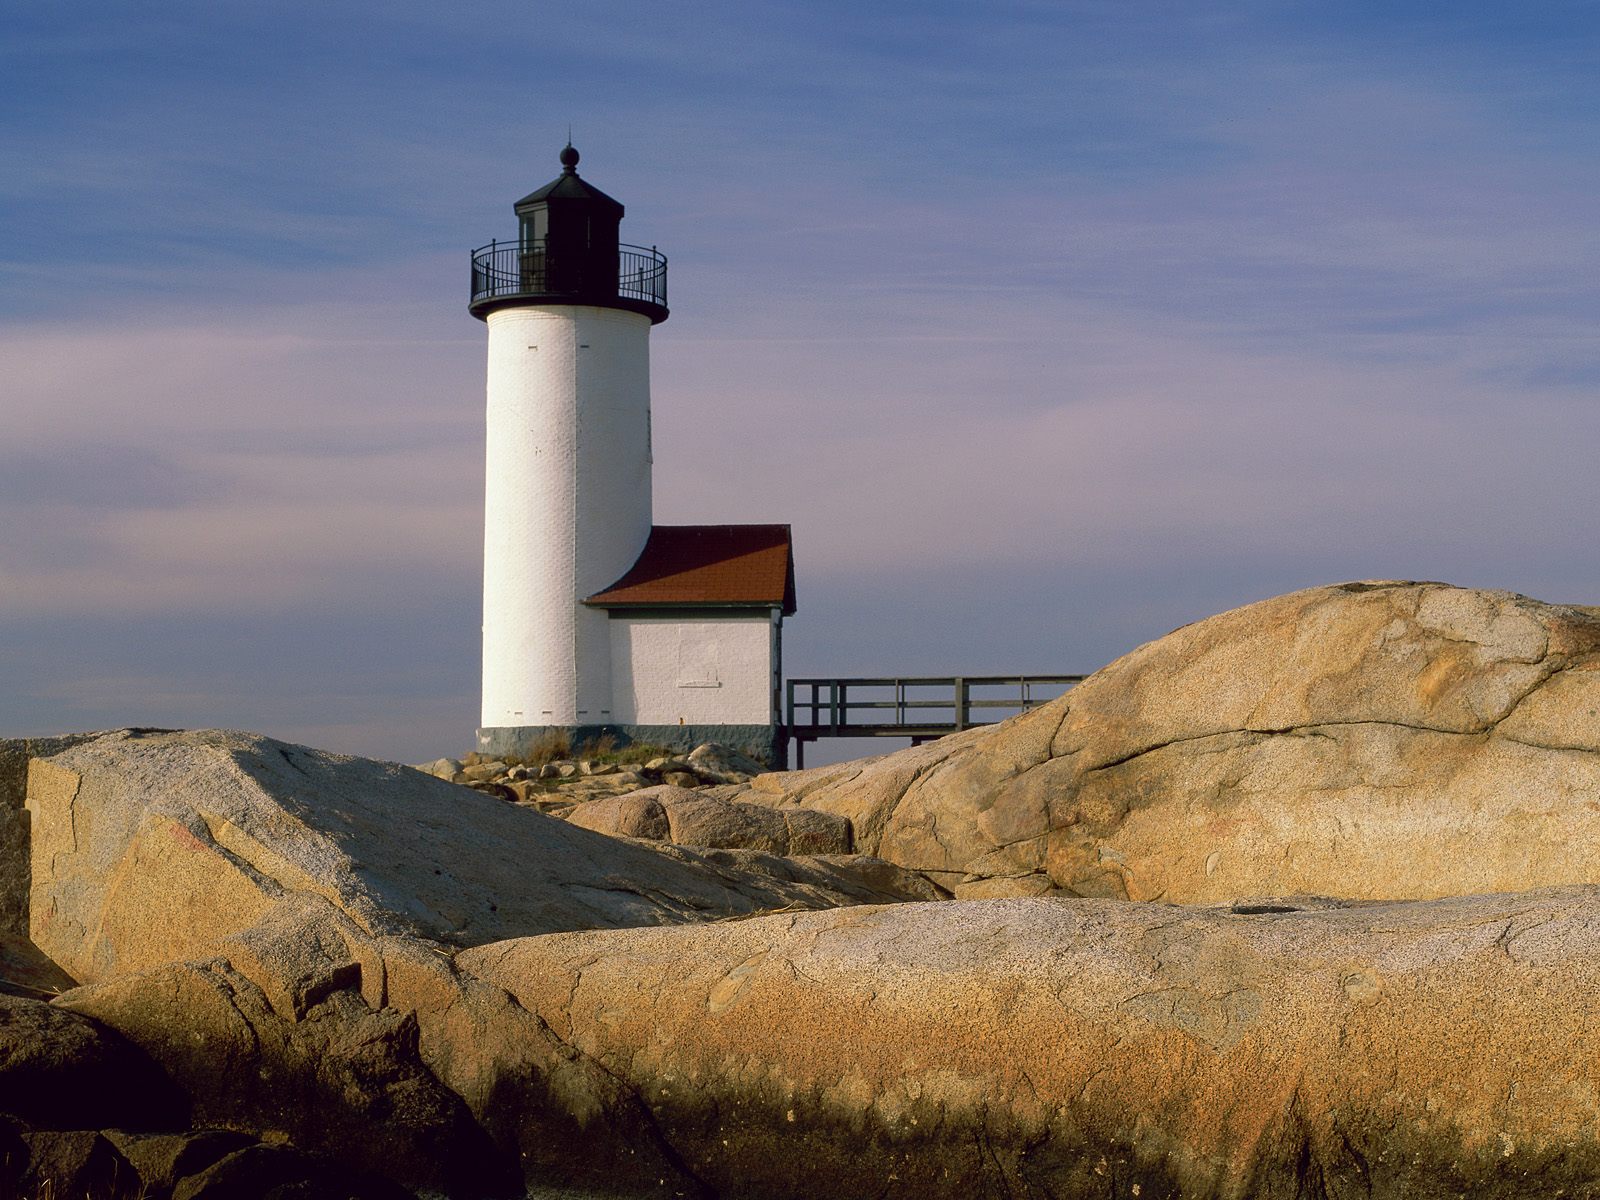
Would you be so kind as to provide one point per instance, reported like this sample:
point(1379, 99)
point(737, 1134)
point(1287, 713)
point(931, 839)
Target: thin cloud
point(1047, 326)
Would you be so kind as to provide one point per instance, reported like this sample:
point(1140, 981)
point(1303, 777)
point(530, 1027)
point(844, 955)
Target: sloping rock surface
point(1364, 740)
point(149, 848)
point(1058, 1047)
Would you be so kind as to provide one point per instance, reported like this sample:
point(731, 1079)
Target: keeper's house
point(595, 620)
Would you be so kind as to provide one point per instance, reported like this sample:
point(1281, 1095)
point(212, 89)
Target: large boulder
point(1364, 740)
point(150, 848)
point(690, 818)
point(1059, 1047)
point(272, 924)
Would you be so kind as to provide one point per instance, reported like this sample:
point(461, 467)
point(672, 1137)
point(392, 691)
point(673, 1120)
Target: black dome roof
point(568, 186)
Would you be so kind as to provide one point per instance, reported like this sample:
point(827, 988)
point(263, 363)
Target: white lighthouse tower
point(568, 500)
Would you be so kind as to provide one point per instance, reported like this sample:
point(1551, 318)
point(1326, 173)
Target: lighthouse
point(596, 621)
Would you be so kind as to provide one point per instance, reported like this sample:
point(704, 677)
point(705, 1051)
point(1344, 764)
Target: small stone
point(696, 818)
point(683, 779)
point(441, 768)
point(730, 766)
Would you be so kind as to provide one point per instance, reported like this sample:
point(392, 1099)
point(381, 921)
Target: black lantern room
point(567, 252)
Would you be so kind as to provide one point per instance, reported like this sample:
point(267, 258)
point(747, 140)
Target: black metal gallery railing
point(503, 270)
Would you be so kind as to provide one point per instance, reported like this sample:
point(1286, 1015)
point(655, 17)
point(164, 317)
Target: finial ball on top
point(569, 156)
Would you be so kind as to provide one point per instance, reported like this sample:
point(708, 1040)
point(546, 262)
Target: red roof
point(705, 566)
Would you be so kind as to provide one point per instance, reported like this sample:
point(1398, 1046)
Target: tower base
point(765, 743)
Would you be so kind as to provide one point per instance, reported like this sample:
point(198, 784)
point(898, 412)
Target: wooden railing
point(919, 708)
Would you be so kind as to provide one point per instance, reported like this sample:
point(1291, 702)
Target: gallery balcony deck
point(506, 274)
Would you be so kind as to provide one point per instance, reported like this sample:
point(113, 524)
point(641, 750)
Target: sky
point(1048, 326)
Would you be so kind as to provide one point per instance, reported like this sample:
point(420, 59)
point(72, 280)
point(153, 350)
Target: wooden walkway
point(920, 708)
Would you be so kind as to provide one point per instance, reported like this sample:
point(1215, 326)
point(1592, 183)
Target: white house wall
point(708, 670)
point(567, 505)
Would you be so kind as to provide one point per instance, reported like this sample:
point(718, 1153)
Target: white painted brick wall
point(567, 505)
point(704, 671)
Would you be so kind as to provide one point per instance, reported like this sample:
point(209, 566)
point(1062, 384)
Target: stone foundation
point(765, 743)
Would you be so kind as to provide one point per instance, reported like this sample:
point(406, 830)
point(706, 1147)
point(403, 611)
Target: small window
point(535, 230)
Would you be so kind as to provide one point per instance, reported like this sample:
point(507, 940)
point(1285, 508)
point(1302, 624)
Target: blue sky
point(1049, 326)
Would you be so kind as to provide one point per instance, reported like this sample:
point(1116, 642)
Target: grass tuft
point(549, 746)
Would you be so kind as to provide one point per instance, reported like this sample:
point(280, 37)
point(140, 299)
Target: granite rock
point(1068, 1047)
point(148, 849)
point(1376, 740)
